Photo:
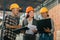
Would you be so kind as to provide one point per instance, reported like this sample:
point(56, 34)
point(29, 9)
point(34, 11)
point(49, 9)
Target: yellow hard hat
point(43, 10)
point(14, 5)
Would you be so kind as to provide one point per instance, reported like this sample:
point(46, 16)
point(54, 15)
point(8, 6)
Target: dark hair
point(47, 15)
point(28, 16)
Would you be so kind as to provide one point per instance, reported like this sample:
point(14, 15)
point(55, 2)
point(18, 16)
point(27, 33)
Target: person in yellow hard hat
point(44, 12)
point(12, 22)
point(46, 33)
point(31, 23)
point(15, 8)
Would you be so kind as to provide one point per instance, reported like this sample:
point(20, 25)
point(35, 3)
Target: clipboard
point(17, 31)
point(44, 23)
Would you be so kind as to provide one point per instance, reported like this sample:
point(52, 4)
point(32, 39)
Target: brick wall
point(55, 15)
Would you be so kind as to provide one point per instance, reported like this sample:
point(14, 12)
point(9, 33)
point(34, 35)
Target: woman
point(31, 23)
point(46, 33)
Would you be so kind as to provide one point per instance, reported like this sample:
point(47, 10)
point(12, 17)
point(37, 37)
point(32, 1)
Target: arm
point(52, 30)
point(9, 26)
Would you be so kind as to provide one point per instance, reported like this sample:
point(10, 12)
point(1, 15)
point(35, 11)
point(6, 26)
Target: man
point(12, 22)
point(46, 33)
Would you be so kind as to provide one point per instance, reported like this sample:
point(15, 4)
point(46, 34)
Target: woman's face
point(31, 13)
point(44, 15)
point(15, 11)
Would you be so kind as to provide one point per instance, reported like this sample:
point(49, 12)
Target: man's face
point(15, 11)
point(31, 13)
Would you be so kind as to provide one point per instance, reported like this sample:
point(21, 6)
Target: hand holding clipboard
point(47, 29)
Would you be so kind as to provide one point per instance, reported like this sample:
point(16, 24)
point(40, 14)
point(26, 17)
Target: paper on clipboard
point(32, 27)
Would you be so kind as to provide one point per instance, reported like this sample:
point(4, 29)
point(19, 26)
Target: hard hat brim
point(17, 8)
